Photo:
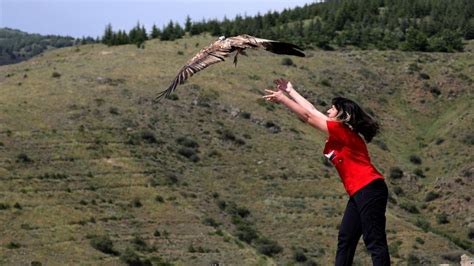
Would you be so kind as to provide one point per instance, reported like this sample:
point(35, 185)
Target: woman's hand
point(283, 85)
point(274, 96)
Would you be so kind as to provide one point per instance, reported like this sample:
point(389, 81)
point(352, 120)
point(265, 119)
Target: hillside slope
point(215, 174)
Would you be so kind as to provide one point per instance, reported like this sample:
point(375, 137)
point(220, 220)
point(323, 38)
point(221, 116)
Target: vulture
point(223, 47)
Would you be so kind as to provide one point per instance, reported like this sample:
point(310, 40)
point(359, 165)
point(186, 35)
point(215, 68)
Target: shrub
point(159, 198)
point(245, 115)
point(13, 245)
point(56, 75)
point(114, 110)
point(432, 196)
point(470, 234)
point(268, 247)
point(173, 97)
point(187, 142)
point(246, 233)
point(326, 83)
point(211, 222)
point(103, 243)
point(299, 256)
point(131, 258)
point(189, 153)
point(423, 224)
point(435, 91)
point(23, 158)
point(409, 207)
point(397, 190)
point(148, 136)
point(419, 172)
point(395, 173)
point(442, 218)
point(4, 206)
point(140, 243)
point(424, 76)
point(413, 260)
point(468, 139)
point(415, 159)
point(222, 204)
point(286, 61)
point(420, 240)
point(137, 203)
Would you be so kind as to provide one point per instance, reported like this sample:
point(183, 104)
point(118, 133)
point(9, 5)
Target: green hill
point(93, 173)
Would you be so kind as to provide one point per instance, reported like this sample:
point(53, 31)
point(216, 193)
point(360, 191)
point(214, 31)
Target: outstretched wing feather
point(198, 63)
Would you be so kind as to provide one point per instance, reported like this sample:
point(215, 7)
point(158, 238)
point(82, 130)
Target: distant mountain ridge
point(17, 46)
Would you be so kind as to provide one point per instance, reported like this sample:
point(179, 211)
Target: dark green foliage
point(56, 75)
point(103, 243)
point(286, 61)
point(415, 40)
point(413, 260)
point(415, 159)
point(13, 245)
point(394, 247)
point(189, 153)
point(299, 256)
point(395, 173)
point(210, 222)
point(268, 247)
point(23, 158)
point(419, 172)
point(470, 234)
point(159, 198)
point(187, 142)
point(136, 203)
point(131, 258)
point(36, 263)
point(189, 148)
point(423, 224)
point(409, 207)
point(397, 190)
point(432, 196)
point(246, 233)
point(442, 218)
point(468, 139)
point(157, 233)
point(420, 240)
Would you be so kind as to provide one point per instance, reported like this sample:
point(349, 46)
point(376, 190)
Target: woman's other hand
point(274, 96)
point(283, 85)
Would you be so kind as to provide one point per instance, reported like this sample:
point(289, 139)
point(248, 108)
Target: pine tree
point(188, 24)
point(108, 34)
point(155, 32)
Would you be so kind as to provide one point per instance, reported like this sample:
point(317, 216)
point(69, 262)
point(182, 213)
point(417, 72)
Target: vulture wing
point(206, 57)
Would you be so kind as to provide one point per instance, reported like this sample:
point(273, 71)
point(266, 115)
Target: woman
point(347, 126)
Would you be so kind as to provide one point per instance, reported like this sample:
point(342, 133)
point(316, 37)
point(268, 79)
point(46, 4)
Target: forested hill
point(410, 25)
point(16, 46)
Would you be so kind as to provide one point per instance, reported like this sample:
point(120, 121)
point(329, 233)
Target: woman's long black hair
point(352, 114)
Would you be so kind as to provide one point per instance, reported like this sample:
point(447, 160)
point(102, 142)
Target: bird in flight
point(223, 47)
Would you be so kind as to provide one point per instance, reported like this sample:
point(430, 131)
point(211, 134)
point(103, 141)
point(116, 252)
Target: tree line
point(410, 25)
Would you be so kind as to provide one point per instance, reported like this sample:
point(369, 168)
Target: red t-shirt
point(348, 152)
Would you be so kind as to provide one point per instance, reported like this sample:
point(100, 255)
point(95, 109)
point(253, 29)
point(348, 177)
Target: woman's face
point(332, 112)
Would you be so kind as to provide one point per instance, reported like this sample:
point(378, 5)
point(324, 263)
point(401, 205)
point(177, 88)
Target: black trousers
point(365, 215)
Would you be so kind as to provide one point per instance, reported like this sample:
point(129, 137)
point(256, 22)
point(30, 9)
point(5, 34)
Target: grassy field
point(92, 172)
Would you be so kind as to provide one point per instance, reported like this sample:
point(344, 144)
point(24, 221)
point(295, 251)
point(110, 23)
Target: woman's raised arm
point(286, 86)
point(316, 121)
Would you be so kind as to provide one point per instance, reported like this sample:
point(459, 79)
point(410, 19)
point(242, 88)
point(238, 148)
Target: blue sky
point(89, 18)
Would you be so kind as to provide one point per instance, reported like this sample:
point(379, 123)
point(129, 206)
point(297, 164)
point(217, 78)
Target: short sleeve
point(337, 131)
